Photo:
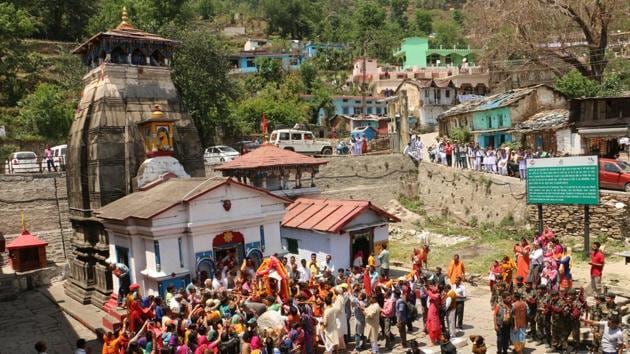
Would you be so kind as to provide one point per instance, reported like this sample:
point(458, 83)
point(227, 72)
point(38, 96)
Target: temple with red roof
point(277, 170)
point(27, 252)
point(347, 230)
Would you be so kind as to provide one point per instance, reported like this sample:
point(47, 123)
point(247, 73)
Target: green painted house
point(415, 52)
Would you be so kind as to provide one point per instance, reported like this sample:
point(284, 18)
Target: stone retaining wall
point(611, 218)
point(43, 199)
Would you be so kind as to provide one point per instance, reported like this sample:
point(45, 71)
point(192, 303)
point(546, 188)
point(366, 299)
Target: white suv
point(301, 141)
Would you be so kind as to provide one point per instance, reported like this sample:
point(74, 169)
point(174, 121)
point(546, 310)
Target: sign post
point(564, 181)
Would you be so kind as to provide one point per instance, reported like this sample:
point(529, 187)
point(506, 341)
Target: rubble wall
point(44, 201)
point(469, 197)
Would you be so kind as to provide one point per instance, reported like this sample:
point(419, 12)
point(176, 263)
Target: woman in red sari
point(433, 325)
point(522, 251)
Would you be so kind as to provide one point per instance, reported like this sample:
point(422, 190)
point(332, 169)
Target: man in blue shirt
point(401, 317)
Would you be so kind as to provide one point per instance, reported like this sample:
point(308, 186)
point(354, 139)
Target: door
point(361, 244)
point(297, 142)
point(609, 176)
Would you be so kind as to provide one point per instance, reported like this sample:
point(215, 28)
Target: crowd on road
point(533, 296)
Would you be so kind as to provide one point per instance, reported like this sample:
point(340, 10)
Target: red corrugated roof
point(269, 155)
point(26, 240)
point(328, 215)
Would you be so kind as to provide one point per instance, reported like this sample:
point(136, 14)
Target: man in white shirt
point(460, 291)
point(327, 265)
point(81, 347)
point(535, 264)
point(612, 338)
point(304, 272)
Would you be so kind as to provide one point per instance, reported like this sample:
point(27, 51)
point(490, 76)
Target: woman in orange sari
point(522, 251)
point(507, 269)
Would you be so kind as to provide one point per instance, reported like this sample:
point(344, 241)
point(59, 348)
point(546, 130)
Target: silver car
point(219, 154)
point(22, 162)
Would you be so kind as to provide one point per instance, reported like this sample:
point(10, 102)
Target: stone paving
point(33, 317)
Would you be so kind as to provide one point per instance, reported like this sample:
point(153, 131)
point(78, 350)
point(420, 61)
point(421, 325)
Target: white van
point(301, 141)
point(59, 156)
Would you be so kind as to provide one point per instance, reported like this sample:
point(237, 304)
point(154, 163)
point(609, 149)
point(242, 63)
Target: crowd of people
point(533, 296)
point(504, 160)
point(288, 306)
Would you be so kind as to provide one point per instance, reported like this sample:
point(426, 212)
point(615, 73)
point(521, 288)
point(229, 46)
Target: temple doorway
point(228, 249)
point(361, 242)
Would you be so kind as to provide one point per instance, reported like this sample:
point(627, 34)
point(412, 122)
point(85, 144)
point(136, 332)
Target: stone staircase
point(8, 287)
point(112, 321)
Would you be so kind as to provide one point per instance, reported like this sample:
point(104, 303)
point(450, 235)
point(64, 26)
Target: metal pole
point(363, 79)
point(540, 219)
point(587, 222)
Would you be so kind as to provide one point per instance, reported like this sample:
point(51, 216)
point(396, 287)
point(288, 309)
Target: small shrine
point(27, 252)
point(277, 170)
point(157, 132)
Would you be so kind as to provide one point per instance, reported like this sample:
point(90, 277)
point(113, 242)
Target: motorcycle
point(343, 148)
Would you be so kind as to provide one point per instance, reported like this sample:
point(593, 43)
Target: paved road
point(33, 317)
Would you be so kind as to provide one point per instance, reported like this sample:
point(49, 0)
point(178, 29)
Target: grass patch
point(487, 243)
point(413, 204)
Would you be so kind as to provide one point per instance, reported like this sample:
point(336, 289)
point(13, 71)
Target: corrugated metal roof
point(328, 215)
point(123, 30)
point(268, 156)
point(146, 204)
point(547, 119)
point(491, 102)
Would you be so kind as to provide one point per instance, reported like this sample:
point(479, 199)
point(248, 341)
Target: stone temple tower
point(128, 77)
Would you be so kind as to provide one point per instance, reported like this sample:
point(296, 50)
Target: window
point(500, 120)
point(284, 136)
point(291, 245)
point(156, 250)
point(181, 252)
point(488, 122)
point(611, 167)
point(369, 110)
point(447, 94)
point(296, 136)
point(250, 63)
point(378, 110)
point(262, 237)
point(345, 110)
point(308, 136)
point(426, 93)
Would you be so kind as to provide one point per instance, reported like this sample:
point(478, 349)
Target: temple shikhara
point(129, 74)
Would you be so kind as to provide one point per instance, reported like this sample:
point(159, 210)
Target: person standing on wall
point(50, 163)
point(121, 272)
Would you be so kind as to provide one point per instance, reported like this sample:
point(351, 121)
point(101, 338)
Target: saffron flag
point(263, 124)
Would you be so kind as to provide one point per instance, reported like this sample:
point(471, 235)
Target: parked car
point(219, 154)
point(23, 162)
point(246, 146)
point(301, 141)
point(59, 156)
point(614, 174)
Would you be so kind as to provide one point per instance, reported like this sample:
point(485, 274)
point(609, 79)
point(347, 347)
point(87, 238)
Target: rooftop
point(25, 240)
point(124, 30)
point(327, 215)
point(491, 102)
point(146, 204)
point(548, 119)
point(270, 156)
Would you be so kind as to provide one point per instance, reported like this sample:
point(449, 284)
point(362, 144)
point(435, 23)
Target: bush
point(461, 135)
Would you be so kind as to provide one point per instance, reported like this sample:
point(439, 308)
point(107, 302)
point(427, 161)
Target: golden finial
point(157, 112)
point(125, 15)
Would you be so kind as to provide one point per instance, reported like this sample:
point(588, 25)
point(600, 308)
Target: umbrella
point(270, 319)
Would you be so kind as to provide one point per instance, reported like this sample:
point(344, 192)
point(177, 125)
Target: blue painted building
point(492, 118)
point(310, 49)
point(245, 62)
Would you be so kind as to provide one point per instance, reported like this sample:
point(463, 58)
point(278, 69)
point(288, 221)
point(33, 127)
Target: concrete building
point(415, 53)
point(550, 131)
point(490, 119)
point(176, 229)
point(129, 74)
point(426, 100)
point(339, 228)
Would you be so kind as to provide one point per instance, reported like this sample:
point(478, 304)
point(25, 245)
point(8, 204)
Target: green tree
point(423, 21)
point(269, 70)
point(200, 73)
point(612, 86)
point(458, 17)
point(309, 75)
point(59, 19)
point(399, 12)
point(368, 18)
point(289, 18)
point(322, 99)
point(574, 84)
point(16, 65)
point(448, 34)
point(46, 113)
